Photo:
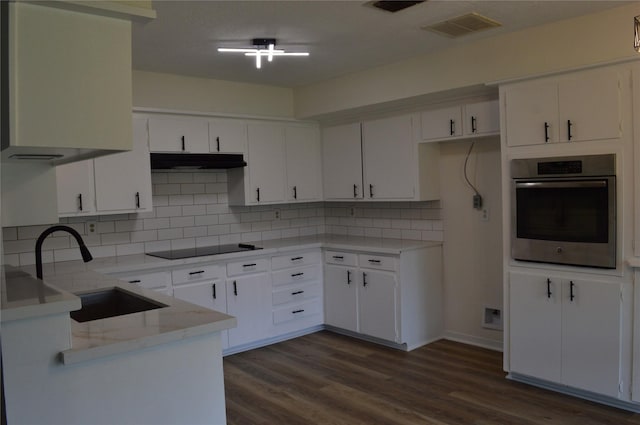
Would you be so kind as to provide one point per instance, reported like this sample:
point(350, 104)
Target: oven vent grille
point(463, 25)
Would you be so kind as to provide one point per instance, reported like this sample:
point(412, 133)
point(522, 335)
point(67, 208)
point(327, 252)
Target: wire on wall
point(477, 198)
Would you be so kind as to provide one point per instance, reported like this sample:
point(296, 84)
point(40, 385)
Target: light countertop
point(179, 320)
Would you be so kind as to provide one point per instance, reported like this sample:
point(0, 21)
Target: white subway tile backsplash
point(172, 211)
point(191, 209)
point(180, 199)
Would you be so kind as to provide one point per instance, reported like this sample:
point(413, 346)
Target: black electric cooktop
point(176, 254)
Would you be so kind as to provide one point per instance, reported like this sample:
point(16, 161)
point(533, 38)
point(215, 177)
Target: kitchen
point(452, 216)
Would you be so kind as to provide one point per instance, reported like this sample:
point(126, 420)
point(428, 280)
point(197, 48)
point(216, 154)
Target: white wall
point(166, 91)
point(472, 247)
point(595, 38)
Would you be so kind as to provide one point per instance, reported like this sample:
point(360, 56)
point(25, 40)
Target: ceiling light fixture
point(263, 47)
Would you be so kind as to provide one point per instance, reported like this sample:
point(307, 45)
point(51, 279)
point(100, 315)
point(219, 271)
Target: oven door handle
point(572, 184)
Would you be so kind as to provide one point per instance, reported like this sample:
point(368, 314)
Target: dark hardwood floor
point(325, 378)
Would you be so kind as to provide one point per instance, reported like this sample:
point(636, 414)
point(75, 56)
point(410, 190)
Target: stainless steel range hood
point(166, 161)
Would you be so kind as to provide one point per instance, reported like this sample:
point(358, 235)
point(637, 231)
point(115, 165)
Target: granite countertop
point(178, 320)
point(110, 336)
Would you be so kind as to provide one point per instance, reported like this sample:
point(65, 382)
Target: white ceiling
point(341, 36)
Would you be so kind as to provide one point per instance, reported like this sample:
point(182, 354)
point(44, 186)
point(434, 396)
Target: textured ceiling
point(341, 36)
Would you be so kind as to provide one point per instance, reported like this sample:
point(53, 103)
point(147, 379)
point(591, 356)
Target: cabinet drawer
point(345, 258)
point(152, 280)
point(299, 274)
point(297, 312)
point(295, 259)
point(297, 293)
point(247, 266)
point(377, 262)
point(198, 273)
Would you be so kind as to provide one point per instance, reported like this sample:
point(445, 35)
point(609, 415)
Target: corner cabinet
point(379, 160)
point(395, 299)
point(111, 184)
point(579, 107)
point(566, 331)
point(283, 165)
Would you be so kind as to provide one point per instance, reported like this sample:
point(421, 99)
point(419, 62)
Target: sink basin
point(111, 303)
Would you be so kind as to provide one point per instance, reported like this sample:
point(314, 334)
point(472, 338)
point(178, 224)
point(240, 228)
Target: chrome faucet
point(86, 255)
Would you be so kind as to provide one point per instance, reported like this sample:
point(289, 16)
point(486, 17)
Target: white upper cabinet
point(581, 107)
point(461, 121)
point(168, 134)
point(379, 160)
point(283, 165)
point(123, 180)
point(110, 184)
point(266, 162)
point(388, 158)
point(481, 118)
point(69, 72)
point(227, 136)
point(303, 159)
point(342, 162)
point(439, 124)
point(76, 190)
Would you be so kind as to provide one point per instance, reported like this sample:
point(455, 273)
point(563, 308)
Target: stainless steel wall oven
point(564, 210)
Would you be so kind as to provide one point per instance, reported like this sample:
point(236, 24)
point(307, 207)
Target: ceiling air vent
point(393, 6)
point(463, 25)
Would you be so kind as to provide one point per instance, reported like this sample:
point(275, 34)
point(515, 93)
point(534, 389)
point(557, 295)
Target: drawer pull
point(135, 281)
point(297, 293)
point(198, 272)
point(249, 265)
point(213, 289)
point(338, 257)
point(297, 311)
point(374, 261)
point(297, 258)
point(294, 275)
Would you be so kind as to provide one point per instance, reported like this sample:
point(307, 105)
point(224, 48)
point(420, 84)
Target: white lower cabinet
point(247, 300)
point(156, 280)
point(566, 331)
point(364, 293)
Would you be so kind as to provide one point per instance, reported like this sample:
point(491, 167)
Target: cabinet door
point(212, 295)
point(75, 188)
point(123, 180)
point(228, 136)
point(248, 300)
point(303, 159)
point(532, 114)
point(340, 299)
point(389, 158)
point(591, 103)
point(266, 162)
point(377, 293)
point(342, 162)
point(535, 338)
point(178, 135)
point(442, 123)
point(591, 336)
point(482, 118)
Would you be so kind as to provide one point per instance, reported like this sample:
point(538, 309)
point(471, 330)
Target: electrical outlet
point(485, 214)
point(91, 227)
point(276, 214)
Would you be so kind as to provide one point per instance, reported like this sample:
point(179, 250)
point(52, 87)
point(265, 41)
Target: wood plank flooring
point(326, 378)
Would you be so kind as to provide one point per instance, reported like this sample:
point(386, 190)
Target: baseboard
point(272, 340)
point(367, 338)
point(474, 340)
point(587, 395)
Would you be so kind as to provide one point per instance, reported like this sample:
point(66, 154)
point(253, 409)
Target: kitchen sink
point(111, 303)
